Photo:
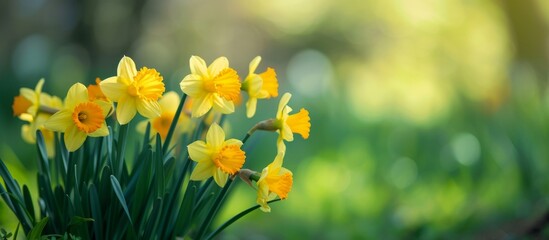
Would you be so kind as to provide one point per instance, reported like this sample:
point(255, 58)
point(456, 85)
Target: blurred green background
point(428, 116)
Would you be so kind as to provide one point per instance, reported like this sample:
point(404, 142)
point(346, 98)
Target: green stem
point(174, 124)
point(235, 218)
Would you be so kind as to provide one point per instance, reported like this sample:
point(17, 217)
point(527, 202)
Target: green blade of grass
point(36, 231)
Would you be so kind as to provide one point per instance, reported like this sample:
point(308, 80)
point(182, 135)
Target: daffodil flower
point(259, 86)
point(216, 156)
point(79, 118)
point(216, 86)
point(27, 107)
point(288, 124)
point(134, 91)
point(274, 181)
point(161, 125)
point(26, 104)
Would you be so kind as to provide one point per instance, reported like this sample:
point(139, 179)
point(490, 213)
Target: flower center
point(162, 124)
point(88, 117)
point(281, 184)
point(230, 159)
point(300, 123)
point(226, 84)
point(20, 105)
point(147, 85)
point(270, 83)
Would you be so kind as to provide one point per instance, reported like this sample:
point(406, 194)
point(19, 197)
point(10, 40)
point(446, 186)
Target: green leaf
point(36, 231)
point(159, 167)
point(120, 195)
point(236, 217)
point(28, 202)
point(76, 220)
point(42, 154)
point(16, 231)
point(213, 211)
point(96, 213)
point(185, 213)
point(174, 124)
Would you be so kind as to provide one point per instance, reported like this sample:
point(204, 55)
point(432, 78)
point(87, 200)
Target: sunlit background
point(429, 117)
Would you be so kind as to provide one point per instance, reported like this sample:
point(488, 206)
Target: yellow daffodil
point(134, 91)
point(26, 104)
point(30, 106)
point(287, 124)
point(259, 86)
point(275, 180)
point(161, 125)
point(79, 118)
point(216, 86)
point(216, 156)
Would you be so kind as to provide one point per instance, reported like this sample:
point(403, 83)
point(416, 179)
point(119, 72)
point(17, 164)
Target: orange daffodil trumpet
point(259, 86)
point(216, 86)
point(79, 118)
point(216, 156)
point(134, 91)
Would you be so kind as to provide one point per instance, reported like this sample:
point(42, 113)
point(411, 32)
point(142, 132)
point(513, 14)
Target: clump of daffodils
point(175, 181)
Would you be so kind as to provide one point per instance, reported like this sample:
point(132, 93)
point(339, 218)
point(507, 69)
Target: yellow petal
point(142, 126)
point(277, 162)
point(101, 131)
point(254, 85)
point(251, 105)
point(201, 105)
point(106, 107)
point(222, 105)
point(220, 177)
point(283, 102)
point(74, 138)
point(199, 151)
point(263, 192)
point(203, 170)
point(280, 145)
point(59, 121)
point(169, 102)
point(198, 66)
point(254, 63)
point(113, 89)
point(218, 65)
point(126, 69)
point(287, 133)
point(28, 134)
point(39, 85)
point(78, 93)
point(148, 109)
point(233, 141)
point(28, 94)
point(126, 110)
point(215, 136)
point(192, 85)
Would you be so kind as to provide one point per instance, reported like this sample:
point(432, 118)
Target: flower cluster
point(213, 91)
